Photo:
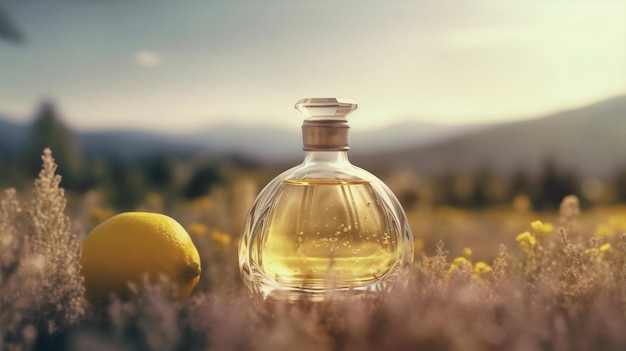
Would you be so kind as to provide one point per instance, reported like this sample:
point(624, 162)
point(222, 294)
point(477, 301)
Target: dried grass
point(566, 291)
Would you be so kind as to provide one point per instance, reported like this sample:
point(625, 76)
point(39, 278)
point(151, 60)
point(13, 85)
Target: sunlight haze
point(180, 66)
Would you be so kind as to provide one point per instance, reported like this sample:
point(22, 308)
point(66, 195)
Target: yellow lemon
point(130, 246)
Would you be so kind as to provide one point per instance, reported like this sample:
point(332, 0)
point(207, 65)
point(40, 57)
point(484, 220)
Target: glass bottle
point(324, 226)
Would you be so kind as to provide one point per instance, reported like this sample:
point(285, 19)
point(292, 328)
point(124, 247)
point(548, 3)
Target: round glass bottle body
point(324, 227)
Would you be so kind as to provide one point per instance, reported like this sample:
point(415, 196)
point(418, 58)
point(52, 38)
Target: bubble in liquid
point(300, 239)
point(345, 230)
point(333, 239)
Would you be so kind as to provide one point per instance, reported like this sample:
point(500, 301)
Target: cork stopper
point(326, 127)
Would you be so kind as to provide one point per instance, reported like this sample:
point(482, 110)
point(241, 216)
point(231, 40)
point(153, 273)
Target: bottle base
point(273, 291)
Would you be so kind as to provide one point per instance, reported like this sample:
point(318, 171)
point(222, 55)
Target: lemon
point(130, 246)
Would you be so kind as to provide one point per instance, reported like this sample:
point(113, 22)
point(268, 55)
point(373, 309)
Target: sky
point(179, 66)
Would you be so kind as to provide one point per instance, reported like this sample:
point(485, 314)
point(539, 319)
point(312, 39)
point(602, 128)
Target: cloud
point(147, 58)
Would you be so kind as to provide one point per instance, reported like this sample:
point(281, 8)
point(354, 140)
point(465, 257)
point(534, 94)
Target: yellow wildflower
point(202, 204)
point(220, 238)
point(598, 251)
point(467, 253)
point(605, 247)
point(458, 263)
point(460, 260)
point(198, 229)
point(526, 241)
point(481, 269)
point(540, 229)
point(592, 252)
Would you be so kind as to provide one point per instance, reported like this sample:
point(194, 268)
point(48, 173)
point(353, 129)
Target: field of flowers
point(495, 279)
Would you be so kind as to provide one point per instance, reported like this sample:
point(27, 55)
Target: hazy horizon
point(290, 124)
point(181, 66)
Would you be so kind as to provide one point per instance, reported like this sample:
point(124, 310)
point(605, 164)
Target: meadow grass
point(491, 280)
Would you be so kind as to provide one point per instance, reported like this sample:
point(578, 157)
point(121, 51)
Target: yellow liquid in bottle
point(328, 232)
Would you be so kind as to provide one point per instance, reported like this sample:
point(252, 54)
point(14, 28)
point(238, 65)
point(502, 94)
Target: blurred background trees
point(48, 130)
point(8, 30)
point(126, 178)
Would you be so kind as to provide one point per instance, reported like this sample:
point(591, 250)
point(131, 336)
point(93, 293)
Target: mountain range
point(266, 144)
point(589, 140)
point(275, 144)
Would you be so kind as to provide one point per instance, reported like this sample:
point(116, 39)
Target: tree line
point(127, 181)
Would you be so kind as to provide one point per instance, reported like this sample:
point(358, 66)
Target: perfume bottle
point(325, 226)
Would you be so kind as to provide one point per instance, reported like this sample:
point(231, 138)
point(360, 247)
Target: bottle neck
point(336, 157)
